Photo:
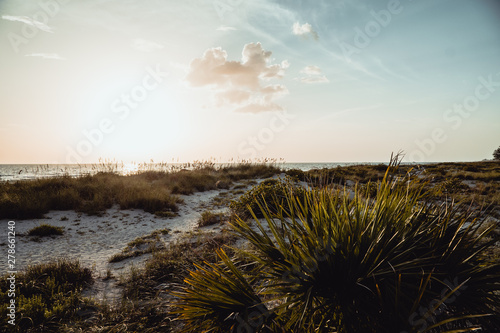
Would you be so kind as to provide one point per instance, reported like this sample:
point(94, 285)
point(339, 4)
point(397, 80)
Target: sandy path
point(93, 240)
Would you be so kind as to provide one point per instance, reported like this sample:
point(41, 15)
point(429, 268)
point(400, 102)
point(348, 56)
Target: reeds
point(152, 191)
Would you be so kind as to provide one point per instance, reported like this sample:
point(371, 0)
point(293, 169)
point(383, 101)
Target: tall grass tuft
point(45, 230)
point(390, 260)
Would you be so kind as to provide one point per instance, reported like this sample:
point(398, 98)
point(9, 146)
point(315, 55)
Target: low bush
point(271, 194)
point(46, 295)
point(209, 218)
point(45, 230)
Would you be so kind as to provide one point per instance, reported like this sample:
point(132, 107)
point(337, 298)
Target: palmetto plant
point(342, 261)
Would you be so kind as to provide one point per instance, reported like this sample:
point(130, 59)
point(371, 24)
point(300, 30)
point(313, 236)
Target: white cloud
point(313, 75)
point(305, 30)
point(314, 79)
point(240, 83)
point(225, 28)
point(53, 56)
point(29, 21)
point(144, 45)
point(311, 70)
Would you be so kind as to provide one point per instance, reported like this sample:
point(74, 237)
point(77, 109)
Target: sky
point(304, 81)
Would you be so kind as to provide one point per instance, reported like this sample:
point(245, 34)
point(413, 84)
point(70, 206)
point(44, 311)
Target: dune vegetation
point(45, 230)
point(47, 295)
point(334, 261)
point(153, 191)
point(369, 248)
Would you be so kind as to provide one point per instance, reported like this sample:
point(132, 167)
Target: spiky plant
point(342, 261)
point(219, 299)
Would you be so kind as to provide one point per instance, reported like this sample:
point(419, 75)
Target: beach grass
point(46, 295)
point(209, 218)
point(45, 230)
point(152, 191)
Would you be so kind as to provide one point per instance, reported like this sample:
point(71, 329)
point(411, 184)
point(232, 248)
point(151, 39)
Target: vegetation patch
point(146, 304)
point(141, 246)
point(209, 218)
point(152, 191)
point(45, 230)
point(172, 265)
point(47, 295)
point(271, 193)
point(396, 261)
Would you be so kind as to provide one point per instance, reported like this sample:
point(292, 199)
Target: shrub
point(296, 174)
point(209, 218)
point(496, 154)
point(390, 263)
point(271, 194)
point(45, 230)
point(46, 296)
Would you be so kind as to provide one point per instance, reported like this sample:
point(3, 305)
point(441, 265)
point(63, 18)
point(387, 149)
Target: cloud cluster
point(313, 75)
point(240, 83)
point(305, 30)
point(29, 21)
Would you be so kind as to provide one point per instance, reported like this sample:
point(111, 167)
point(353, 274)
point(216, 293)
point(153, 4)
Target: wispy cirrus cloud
point(305, 30)
point(315, 79)
point(240, 84)
point(313, 75)
point(144, 45)
point(225, 28)
point(53, 56)
point(29, 21)
point(311, 70)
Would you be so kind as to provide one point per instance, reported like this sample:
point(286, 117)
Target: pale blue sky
point(345, 80)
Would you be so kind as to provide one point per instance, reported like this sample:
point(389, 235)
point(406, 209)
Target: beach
point(117, 244)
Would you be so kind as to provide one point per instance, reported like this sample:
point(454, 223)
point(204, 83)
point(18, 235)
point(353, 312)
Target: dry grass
point(45, 230)
point(209, 218)
point(46, 296)
point(152, 191)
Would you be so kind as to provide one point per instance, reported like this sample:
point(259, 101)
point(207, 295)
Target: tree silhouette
point(496, 154)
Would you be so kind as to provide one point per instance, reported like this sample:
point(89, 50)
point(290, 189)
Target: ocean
point(13, 172)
